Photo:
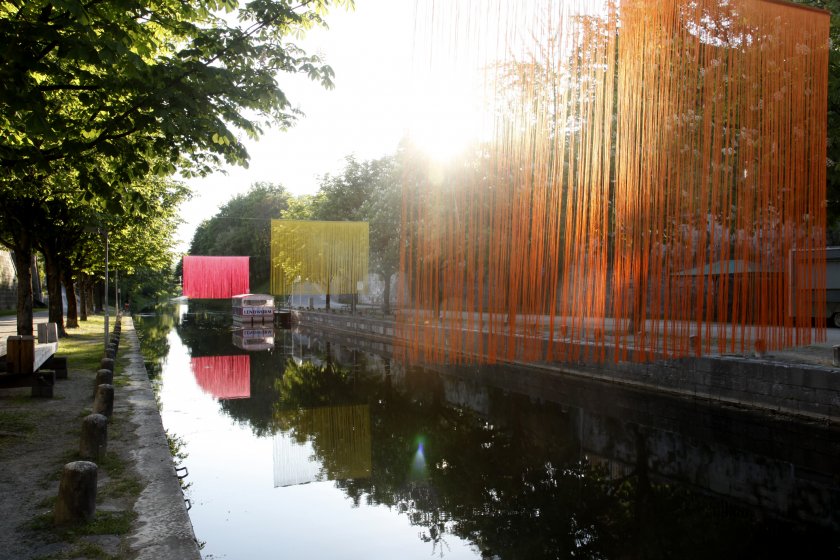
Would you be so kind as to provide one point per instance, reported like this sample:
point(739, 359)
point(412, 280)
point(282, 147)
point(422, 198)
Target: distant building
point(8, 282)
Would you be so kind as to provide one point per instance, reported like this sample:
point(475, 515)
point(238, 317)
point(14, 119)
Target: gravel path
point(140, 510)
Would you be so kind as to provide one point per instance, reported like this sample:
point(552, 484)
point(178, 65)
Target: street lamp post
point(106, 288)
point(104, 233)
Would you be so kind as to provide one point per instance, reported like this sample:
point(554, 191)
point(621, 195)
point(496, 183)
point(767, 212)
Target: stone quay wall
point(784, 387)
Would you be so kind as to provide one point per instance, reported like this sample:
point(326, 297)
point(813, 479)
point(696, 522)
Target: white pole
point(106, 288)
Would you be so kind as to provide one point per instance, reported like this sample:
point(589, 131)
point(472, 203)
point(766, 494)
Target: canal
point(297, 446)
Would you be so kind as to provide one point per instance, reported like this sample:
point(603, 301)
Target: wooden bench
point(26, 363)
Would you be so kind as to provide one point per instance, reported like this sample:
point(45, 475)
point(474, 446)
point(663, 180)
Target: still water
point(300, 447)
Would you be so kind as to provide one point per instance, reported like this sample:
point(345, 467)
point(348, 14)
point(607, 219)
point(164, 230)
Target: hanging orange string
point(654, 185)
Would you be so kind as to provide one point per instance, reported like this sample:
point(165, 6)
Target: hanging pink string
point(224, 377)
point(215, 277)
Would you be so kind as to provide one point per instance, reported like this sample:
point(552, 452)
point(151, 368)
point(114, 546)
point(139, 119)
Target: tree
point(833, 117)
point(110, 92)
point(367, 191)
point(242, 227)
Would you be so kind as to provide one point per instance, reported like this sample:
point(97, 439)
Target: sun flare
point(444, 120)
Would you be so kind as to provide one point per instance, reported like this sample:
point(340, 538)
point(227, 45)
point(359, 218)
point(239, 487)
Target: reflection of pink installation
point(224, 377)
point(215, 277)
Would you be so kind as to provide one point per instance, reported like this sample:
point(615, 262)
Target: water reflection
point(224, 377)
point(491, 462)
point(323, 443)
point(254, 339)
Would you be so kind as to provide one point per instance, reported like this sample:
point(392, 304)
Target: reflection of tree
point(513, 482)
point(152, 332)
point(323, 404)
point(206, 332)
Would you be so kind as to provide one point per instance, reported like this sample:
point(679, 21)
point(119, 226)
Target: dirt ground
point(37, 437)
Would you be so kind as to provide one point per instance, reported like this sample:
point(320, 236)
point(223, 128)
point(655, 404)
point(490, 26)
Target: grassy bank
point(39, 436)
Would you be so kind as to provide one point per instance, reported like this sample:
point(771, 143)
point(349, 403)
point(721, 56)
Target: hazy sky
point(370, 50)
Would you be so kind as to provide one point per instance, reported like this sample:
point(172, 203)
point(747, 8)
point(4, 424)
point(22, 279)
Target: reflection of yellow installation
point(332, 256)
point(329, 443)
point(652, 168)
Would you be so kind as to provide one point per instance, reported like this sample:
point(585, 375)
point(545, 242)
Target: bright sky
point(370, 50)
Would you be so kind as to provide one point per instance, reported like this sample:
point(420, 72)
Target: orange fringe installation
point(654, 185)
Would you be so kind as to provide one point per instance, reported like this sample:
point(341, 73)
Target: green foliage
point(833, 117)
point(242, 227)
point(146, 86)
point(367, 191)
point(101, 101)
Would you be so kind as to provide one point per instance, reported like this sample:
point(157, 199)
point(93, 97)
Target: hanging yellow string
point(654, 184)
point(312, 257)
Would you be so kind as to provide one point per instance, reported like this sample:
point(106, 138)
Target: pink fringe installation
point(215, 277)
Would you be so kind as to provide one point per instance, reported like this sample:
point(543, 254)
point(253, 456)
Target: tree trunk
point(23, 262)
point(83, 292)
point(70, 288)
point(96, 292)
point(56, 312)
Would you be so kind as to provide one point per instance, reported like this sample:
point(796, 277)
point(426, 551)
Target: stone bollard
point(103, 377)
point(103, 402)
point(836, 357)
point(107, 363)
point(110, 351)
point(94, 440)
point(694, 343)
point(760, 347)
point(76, 493)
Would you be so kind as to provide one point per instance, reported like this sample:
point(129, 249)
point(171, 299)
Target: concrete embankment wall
point(163, 530)
point(789, 388)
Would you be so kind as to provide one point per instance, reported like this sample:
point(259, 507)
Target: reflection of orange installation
point(252, 308)
point(325, 443)
point(254, 338)
point(224, 377)
point(215, 277)
point(635, 144)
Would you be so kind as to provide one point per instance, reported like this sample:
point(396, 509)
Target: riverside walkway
point(141, 513)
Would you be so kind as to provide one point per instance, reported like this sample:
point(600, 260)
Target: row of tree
point(101, 103)
point(367, 191)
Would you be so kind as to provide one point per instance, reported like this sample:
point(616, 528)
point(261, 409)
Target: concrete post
point(76, 493)
point(760, 347)
point(836, 357)
point(103, 377)
point(94, 440)
point(107, 363)
point(47, 332)
point(694, 343)
point(103, 403)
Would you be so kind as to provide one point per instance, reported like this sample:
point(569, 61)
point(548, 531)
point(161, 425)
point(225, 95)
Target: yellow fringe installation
point(653, 185)
point(319, 257)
